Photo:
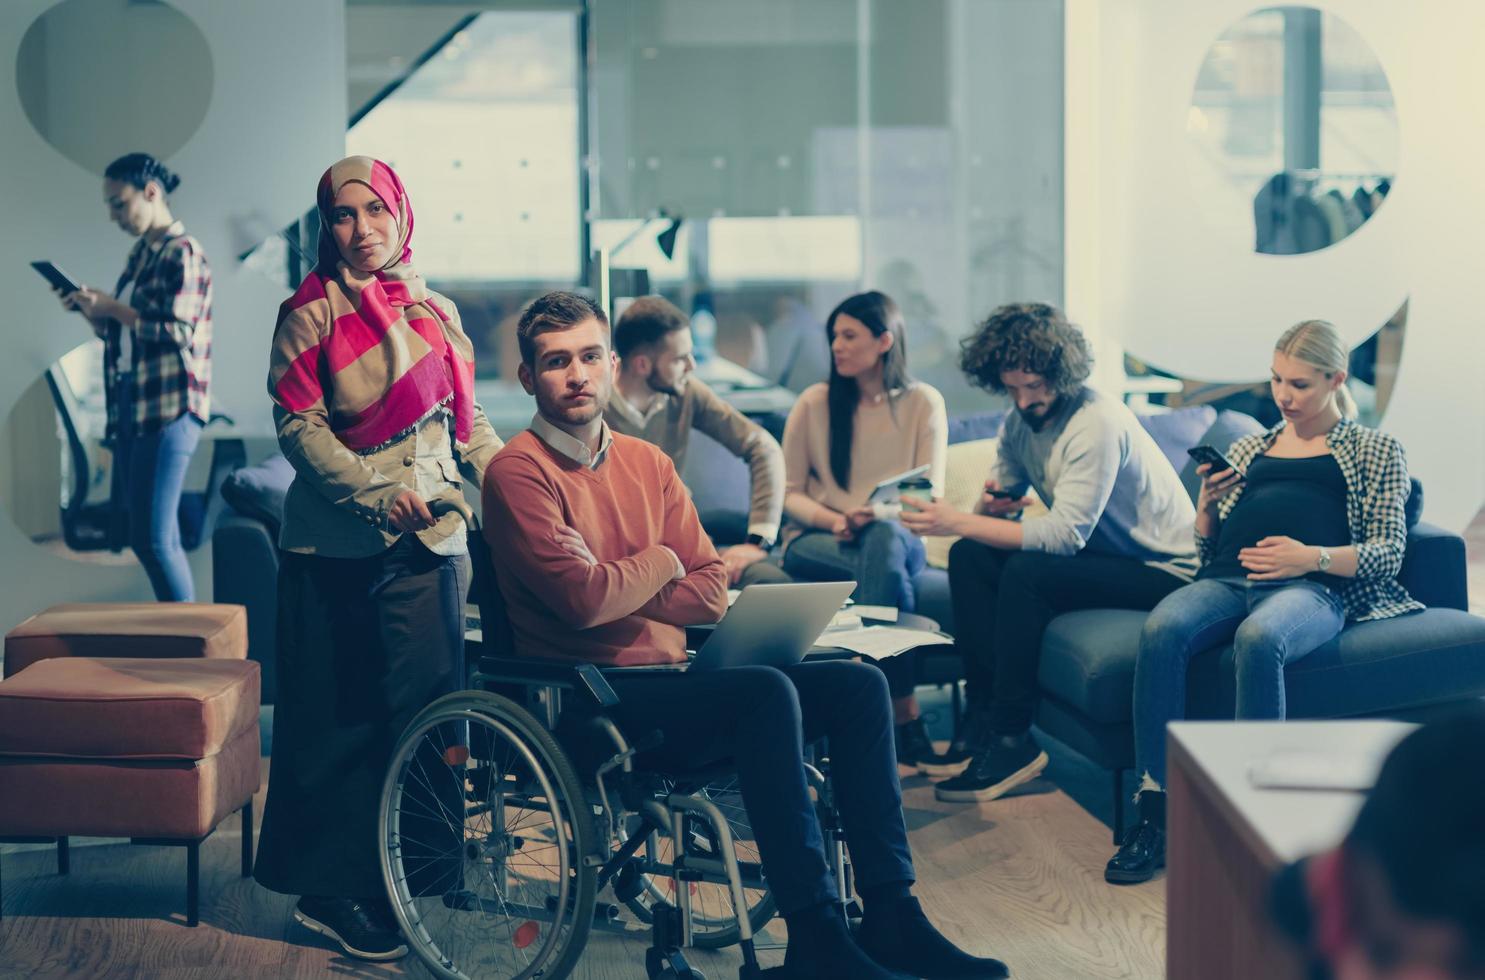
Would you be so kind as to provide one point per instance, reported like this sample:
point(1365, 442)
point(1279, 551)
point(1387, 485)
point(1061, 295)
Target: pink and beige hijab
point(370, 351)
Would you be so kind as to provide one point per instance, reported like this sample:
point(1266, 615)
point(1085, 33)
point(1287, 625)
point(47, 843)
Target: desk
point(1227, 839)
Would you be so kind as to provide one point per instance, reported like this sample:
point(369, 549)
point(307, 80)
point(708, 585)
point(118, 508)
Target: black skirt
point(364, 644)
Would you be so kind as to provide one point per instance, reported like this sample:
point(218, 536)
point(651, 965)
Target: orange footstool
point(156, 749)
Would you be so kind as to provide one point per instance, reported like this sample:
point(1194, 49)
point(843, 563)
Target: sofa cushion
point(1421, 658)
point(128, 629)
point(976, 426)
point(105, 708)
point(1178, 430)
point(1428, 657)
point(1228, 427)
point(258, 491)
point(1088, 661)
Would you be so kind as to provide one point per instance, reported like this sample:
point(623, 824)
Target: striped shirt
point(1377, 488)
point(171, 360)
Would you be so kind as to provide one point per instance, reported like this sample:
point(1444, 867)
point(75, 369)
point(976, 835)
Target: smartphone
point(58, 278)
point(1208, 454)
point(1003, 495)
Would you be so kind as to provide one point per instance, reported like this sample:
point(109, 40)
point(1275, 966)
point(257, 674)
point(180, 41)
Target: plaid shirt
point(1377, 487)
point(172, 342)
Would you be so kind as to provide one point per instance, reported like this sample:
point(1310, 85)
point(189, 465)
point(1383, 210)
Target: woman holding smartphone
point(843, 437)
point(1305, 533)
point(157, 421)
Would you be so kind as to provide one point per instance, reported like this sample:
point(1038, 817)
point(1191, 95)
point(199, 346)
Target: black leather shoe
point(357, 926)
point(1140, 856)
point(901, 939)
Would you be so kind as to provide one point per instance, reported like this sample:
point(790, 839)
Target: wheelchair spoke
point(481, 855)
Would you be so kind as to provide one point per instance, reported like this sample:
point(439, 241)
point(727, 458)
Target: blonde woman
point(1306, 532)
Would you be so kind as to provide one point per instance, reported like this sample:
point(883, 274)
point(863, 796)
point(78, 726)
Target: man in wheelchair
point(600, 557)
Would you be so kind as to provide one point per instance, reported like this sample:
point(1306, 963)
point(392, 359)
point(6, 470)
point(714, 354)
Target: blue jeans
point(157, 473)
point(882, 559)
point(1270, 624)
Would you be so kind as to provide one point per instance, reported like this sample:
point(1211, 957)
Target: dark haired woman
point(1116, 535)
point(157, 421)
point(372, 382)
point(870, 422)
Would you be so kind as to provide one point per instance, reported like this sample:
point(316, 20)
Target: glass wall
point(811, 149)
point(819, 147)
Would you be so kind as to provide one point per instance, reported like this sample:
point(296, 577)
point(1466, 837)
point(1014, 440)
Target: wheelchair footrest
point(664, 960)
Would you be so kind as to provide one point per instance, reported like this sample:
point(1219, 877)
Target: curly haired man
point(1117, 533)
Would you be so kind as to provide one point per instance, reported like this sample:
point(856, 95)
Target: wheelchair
point(511, 810)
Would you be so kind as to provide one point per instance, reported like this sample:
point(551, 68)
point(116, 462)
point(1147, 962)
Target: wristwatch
point(1324, 560)
point(758, 541)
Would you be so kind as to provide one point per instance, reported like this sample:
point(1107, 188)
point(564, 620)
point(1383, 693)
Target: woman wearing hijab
point(372, 382)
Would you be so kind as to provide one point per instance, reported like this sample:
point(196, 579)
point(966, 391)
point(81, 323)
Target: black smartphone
point(1003, 495)
point(1208, 454)
point(58, 278)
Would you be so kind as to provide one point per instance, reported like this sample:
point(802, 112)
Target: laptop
point(771, 625)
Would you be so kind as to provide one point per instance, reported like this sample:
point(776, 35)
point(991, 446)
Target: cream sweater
point(887, 439)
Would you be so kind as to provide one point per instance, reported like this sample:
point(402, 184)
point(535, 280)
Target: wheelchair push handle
point(442, 505)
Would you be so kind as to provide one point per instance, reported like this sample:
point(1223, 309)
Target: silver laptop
point(770, 625)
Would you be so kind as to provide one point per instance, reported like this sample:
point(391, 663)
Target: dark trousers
point(364, 644)
point(760, 718)
point(1004, 600)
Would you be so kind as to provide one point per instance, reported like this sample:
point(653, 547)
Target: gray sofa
point(1411, 666)
point(244, 556)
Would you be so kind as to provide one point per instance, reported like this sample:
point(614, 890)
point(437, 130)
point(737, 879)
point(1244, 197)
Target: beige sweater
point(668, 425)
point(887, 439)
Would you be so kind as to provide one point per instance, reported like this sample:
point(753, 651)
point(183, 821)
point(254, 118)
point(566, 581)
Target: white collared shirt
point(573, 448)
point(638, 418)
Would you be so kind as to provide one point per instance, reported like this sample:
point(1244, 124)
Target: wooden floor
point(1020, 879)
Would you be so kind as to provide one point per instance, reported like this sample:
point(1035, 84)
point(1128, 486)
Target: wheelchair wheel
point(485, 840)
point(713, 915)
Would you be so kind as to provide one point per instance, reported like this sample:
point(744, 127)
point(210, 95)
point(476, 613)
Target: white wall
point(1165, 284)
point(275, 121)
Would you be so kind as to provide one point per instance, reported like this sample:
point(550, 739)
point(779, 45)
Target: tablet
point(58, 278)
point(886, 491)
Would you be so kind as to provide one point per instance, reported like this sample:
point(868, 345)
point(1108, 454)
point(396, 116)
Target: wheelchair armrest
point(584, 678)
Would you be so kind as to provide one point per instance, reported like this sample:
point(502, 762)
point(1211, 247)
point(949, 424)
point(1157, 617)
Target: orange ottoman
point(128, 629)
point(157, 750)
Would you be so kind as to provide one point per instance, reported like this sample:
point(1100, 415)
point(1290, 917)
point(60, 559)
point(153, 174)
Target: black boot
point(1007, 762)
point(900, 937)
point(1143, 852)
point(821, 946)
point(913, 743)
point(974, 738)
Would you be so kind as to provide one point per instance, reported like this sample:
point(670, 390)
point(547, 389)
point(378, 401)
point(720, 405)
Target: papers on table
point(881, 642)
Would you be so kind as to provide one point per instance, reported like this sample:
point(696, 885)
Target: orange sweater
point(628, 608)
